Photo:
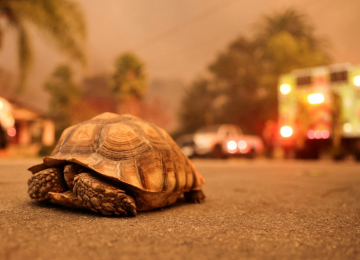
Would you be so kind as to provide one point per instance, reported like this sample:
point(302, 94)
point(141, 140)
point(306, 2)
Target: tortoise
point(115, 165)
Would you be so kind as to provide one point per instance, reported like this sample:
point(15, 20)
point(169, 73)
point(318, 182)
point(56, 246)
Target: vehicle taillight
point(231, 145)
point(286, 131)
point(242, 145)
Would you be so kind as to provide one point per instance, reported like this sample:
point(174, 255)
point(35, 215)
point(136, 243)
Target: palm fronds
point(61, 21)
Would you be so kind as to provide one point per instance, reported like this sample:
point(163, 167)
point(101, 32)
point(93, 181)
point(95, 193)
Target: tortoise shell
point(132, 151)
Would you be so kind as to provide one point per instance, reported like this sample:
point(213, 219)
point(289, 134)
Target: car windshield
point(227, 129)
point(209, 129)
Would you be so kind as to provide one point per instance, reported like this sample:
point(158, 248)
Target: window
point(303, 80)
point(339, 76)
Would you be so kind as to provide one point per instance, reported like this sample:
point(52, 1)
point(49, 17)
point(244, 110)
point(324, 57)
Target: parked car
point(187, 145)
point(220, 141)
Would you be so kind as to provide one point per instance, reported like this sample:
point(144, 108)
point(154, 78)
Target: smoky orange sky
point(178, 39)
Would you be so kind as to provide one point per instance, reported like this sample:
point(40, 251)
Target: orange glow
point(316, 98)
point(286, 131)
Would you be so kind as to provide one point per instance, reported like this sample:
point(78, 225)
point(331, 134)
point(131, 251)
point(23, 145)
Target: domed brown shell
point(125, 148)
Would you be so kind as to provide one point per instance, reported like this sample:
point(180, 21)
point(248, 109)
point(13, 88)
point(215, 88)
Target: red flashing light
point(325, 134)
point(11, 132)
point(318, 134)
point(311, 134)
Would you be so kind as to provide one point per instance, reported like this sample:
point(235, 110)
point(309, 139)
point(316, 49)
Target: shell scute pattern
point(130, 150)
point(122, 143)
point(128, 172)
point(80, 142)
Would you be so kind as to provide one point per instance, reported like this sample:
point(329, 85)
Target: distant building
point(25, 128)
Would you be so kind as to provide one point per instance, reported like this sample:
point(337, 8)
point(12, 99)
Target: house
point(23, 128)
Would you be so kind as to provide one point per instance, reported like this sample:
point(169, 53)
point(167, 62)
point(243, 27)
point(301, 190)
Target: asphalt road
point(254, 210)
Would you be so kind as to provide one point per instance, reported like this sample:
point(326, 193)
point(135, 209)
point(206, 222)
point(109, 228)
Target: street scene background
point(263, 96)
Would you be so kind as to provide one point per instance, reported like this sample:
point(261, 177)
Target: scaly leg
point(45, 181)
point(100, 196)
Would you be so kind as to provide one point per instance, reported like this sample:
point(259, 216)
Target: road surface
point(255, 209)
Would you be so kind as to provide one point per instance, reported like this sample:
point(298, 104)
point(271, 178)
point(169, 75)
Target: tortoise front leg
point(102, 197)
point(45, 181)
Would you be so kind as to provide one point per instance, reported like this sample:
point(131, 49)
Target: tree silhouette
point(129, 78)
point(65, 95)
point(245, 74)
point(129, 84)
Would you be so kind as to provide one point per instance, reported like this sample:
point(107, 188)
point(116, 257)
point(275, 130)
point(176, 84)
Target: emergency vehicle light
point(318, 134)
point(325, 134)
point(285, 89)
point(286, 131)
point(11, 132)
point(316, 98)
point(357, 81)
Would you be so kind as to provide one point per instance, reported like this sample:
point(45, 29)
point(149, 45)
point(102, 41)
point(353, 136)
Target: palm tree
point(129, 84)
point(129, 79)
point(292, 25)
point(60, 20)
point(290, 20)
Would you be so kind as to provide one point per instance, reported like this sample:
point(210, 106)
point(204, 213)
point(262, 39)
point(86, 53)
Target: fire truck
point(319, 111)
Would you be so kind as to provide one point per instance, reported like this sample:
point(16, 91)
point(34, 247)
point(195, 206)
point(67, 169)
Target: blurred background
point(223, 78)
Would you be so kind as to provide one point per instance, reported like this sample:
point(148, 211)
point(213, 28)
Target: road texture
point(256, 209)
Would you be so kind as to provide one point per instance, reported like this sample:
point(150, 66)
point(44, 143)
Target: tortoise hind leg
point(102, 197)
point(45, 181)
point(194, 196)
point(67, 199)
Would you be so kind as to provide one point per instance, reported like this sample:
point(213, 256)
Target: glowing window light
point(357, 81)
point(325, 134)
point(311, 134)
point(285, 89)
point(316, 98)
point(347, 127)
point(242, 145)
point(1, 105)
point(11, 132)
point(286, 131)
point(231, 145)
